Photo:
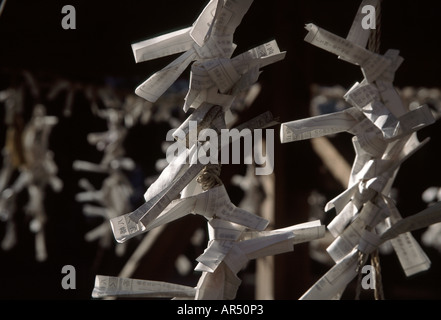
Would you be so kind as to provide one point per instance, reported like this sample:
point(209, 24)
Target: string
point(374, 41)
point(360, 264)
point(374, 44)
point(210, 175)
point(378, 290)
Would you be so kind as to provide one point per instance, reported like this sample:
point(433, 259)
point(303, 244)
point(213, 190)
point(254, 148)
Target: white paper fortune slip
point(106, 286)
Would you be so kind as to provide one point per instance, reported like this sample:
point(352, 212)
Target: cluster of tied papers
point(28, 166)
point(384, 133)
point(384, 136)
point(236, 236)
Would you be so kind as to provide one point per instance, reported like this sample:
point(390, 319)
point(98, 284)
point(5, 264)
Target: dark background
point(98, 53)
